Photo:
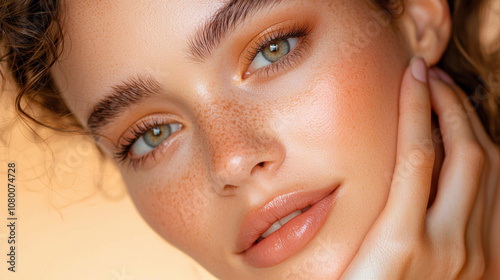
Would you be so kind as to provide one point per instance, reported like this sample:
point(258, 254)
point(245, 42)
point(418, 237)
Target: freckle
point(179, 209)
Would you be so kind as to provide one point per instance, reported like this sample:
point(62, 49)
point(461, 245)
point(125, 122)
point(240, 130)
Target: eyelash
point(138, 130)
point(297, 31)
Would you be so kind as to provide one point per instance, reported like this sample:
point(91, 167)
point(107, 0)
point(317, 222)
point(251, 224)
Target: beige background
point(75, 219)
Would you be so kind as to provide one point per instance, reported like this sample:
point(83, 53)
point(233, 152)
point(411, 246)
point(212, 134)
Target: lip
point(291, 237)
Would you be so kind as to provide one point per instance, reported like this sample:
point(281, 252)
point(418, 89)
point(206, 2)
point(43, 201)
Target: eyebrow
point(222, 22)
point(122, 96)
point(209, 36)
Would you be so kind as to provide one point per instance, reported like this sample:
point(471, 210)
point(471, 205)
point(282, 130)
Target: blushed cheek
point(349, 119)
point(368, 88)
point(348, 111)
point(174, 202)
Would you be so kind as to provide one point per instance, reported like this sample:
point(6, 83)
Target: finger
point(474, 236)
point(486, 195)
point(411, 181)
point(461, 171)
point(475, 226)
point(471, 105)
point(404, 212)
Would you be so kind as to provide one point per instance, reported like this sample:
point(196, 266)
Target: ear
point(427, 25)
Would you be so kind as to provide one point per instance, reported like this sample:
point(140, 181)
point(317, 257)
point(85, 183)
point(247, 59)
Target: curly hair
point(31, 36)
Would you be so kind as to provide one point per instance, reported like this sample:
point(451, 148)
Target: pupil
point(156, 135)
point(273, 47)
point(276, 50)
point(156, 131)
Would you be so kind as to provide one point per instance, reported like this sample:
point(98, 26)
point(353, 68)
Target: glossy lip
point(301, 229)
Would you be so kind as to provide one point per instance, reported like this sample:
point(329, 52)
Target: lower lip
point(290, 238)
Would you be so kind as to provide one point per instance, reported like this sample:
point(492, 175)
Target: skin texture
point(331, 118)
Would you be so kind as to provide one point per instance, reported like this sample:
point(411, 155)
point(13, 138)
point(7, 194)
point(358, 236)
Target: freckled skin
point(330, 118)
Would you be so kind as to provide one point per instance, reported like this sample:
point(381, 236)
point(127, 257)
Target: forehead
point(104, 27)
point(106, 40)
point(112, 19)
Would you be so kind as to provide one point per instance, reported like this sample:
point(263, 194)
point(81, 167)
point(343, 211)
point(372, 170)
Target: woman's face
point(243, 102)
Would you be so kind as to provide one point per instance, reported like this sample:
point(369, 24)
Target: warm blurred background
point(75, 220)
point(74, 217)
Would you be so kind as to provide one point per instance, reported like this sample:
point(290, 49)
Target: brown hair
point(31, 36)
point(474, 70)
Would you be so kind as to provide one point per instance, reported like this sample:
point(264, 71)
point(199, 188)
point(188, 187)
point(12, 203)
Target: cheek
point(173, 201)
point(362, 102)
point(349, 112)
point(348, 127)
point(364, 120)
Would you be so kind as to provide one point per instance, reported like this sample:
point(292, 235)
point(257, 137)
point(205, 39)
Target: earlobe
point(427, 25)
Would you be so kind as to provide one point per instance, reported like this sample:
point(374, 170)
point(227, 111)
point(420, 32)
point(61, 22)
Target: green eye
point(276, 50)
point(153, 138)
point(157, 135)
point(272, 52)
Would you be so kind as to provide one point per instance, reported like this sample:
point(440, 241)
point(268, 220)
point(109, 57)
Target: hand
point(448, 240)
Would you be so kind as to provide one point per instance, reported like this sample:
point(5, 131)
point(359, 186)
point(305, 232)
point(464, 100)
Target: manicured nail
point(419, 69)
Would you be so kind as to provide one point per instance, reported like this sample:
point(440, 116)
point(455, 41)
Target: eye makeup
point(270, 42)
point(144, 140)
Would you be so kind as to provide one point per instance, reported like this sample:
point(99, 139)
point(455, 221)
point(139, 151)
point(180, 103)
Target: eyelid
point(284, 30)
point(141, 143)
point(137, 130)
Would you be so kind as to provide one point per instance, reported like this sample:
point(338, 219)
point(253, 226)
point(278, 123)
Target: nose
point(242, 152)
point(241, 161)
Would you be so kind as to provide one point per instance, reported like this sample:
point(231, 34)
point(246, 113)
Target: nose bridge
point(239, 142)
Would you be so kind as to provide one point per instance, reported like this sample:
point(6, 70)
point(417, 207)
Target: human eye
point(277, 49)
point(146, 138)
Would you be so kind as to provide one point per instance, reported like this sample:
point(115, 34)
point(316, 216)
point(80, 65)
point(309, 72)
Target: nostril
point(263, 166)
point(229, 188)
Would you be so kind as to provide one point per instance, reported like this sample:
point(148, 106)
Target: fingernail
point(419, 69)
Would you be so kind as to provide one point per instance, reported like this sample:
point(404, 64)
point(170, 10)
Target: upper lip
point(257, 221)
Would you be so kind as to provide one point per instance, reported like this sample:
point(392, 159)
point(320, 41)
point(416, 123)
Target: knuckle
point(473, 152)
point(420, 156)
point(403, 244)
point(471, 148)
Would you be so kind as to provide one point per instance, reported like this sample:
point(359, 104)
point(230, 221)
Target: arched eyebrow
point(135, 89)
point(121, 97)
point(221, 23)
